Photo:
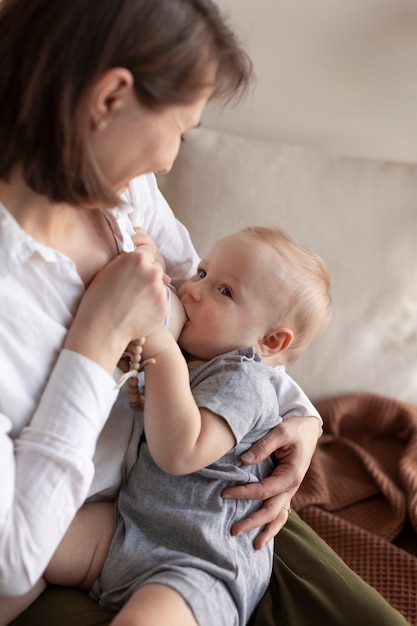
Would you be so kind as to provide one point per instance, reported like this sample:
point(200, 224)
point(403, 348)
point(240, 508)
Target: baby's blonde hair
point(308, 304)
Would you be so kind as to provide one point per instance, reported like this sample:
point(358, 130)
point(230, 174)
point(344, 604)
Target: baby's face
point(228, 302)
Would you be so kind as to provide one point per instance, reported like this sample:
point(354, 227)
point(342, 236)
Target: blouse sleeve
point(292, 399)
point(55, 451)
point(152, 212)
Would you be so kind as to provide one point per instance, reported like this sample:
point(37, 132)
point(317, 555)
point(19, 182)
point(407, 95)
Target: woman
point(93, 94)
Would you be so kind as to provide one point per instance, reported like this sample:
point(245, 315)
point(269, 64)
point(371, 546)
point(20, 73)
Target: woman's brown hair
point(52, 52)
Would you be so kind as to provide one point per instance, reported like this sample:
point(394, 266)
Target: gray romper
point(175, 530)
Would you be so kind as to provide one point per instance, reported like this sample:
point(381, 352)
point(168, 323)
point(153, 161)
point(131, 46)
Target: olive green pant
point(310, 585)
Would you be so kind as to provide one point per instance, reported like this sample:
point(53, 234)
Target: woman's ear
point(275, 342)
point(109, 95)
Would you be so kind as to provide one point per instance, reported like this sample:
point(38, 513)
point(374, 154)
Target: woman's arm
point(47, 468)
point(182, 438)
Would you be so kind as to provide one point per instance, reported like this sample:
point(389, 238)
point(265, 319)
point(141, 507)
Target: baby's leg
point(153, 605)
point(77, 561)
point(79, 557)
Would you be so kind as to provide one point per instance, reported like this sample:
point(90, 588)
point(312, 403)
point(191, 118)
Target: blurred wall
point(336, 75)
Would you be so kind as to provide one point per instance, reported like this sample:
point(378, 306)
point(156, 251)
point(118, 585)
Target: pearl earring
point(102, 125)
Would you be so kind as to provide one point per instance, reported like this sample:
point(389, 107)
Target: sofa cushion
point(359, 215)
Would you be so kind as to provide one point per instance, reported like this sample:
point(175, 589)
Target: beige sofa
point(360, 493)
point(359, 215)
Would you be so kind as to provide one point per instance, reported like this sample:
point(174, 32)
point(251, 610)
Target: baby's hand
point(157, 342)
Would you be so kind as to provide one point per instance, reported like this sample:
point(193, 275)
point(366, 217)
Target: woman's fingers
point(293, 443)
point(125, 301)
point(271, 518)
point(293, 431)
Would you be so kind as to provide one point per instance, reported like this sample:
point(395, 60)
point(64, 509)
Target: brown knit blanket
point(360, 493)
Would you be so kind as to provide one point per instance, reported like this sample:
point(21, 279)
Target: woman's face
point(139, 141)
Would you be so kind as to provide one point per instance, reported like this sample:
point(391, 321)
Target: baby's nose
point(194, 291)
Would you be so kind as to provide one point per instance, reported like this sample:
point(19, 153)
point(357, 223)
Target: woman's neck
point(83, 235)
point(34, 213)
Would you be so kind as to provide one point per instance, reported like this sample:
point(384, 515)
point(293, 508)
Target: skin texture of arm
point(182, 438)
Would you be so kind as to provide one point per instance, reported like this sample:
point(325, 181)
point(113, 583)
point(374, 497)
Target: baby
point(256, 302)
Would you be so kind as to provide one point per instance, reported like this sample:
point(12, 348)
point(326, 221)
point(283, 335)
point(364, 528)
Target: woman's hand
point(293, 442)
point(144, 243)
point(176, 316)
point(126, 300)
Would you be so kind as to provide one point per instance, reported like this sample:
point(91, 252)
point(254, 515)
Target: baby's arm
point(182, 438)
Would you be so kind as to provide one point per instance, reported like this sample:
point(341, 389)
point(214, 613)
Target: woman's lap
point(309, 585)
point(59, 606)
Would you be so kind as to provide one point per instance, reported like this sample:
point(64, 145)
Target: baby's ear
point(275, 342)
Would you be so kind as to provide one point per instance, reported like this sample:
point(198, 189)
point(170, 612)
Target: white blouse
point(53, 402)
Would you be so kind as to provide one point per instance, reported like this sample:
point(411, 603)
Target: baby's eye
point(225, 291)
point(201, 273)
